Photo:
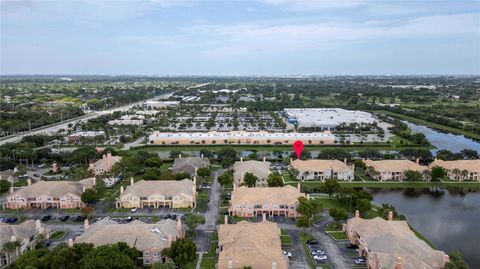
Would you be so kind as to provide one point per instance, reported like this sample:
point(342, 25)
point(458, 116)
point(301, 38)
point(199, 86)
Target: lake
point(449, 220)
point(440, 140)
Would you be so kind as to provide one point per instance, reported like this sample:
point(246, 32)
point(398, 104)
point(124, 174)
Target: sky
point(255, 37)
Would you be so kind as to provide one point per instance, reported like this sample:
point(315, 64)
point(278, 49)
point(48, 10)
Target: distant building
point(126, 122)
point(149, 238)
point(79, 136)
point(158, 193)
point(326, 118)
point(48, 194)
point(26, 233)
point(323, 169)
point(254, 244)
point(260, 169)
point(274, 201)
point(9, 175)
point(394, 169)
point(189, 165)
point(392, 244)
point(105, 164)
point(460, 169)
point(240, 137)
point(160, 104)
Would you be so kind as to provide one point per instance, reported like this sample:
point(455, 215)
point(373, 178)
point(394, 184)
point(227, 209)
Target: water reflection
point(448, 218)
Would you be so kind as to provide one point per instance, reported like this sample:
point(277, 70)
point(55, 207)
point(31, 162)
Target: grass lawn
point(287, 177)
point(57, 235)
point(338, 235)
point(304, 237)
point(285, 237)
point(164, 167)
point(334, 227)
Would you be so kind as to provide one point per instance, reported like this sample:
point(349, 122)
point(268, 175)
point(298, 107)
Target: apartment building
point(26, 233)
point(392, 244)
point(394, 169)
point(189, 165)
point(48, 194)
point(460, 169)
point(149, 238)
point(254, 244)
point(261, 169)
point(105, 164)
point(323, 169)
point(240, 137)
point(158, 193)
point(274, 201)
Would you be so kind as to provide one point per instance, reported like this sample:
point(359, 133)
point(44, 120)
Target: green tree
point(153, 161)
point(412, 175)
point(182, 251)
point(302, 222)
point(250, 179)
point(275, 180)
point(331, 186)
point(225, 179)
point(165, 265)
point(100, 187)
point(193, 220)
point(152, 173)
point(364, 205)
point(438, 173)
point(308, 209)
point(227, 156)
point(203, 172)
point(456, 261)
point(107, 256)
point(338, 214)
point(89, 196)
point(4, 186)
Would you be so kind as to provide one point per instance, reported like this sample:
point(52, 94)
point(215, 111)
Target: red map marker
point(298, 147)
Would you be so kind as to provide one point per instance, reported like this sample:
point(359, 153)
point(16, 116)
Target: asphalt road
point(53, 128)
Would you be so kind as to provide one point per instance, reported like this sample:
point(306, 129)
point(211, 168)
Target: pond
point(449, 219)
point(448, 141)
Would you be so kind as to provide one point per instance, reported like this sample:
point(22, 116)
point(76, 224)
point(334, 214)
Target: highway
point(53, 128)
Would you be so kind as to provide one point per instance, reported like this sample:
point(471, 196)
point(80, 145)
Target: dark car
point(312, 242)
point(64, 218)
point(352, 246)
point(46, 218)
point(78, 218)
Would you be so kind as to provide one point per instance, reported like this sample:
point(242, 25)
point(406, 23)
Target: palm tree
point(10, 248)
point(456, 172)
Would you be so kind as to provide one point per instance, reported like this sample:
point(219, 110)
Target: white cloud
point(302, 5)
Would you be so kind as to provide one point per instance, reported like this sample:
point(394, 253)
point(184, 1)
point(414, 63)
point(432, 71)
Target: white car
point(288, 254)
point(318, 252)
point(320, 257)
point(133, 210)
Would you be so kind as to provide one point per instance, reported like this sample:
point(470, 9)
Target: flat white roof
point(318, 117)
point(226, 135)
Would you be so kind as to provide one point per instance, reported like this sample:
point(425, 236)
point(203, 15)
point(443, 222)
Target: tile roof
point(470, 165)
point(320, 165)
point(395, 165)
point(21, 231)
point(389, 240)
point(138, 234)
point(188, 164)
point(255, 244)
point(258, 168)
point(170, 188)
point(285, 195)
point(53, 188)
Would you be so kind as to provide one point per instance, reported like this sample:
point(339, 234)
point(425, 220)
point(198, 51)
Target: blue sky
point(264, 37)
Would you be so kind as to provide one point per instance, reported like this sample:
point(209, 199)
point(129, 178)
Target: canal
point(448, 141)
point(449, 219)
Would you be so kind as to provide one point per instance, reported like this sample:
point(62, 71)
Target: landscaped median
point(285, 238)
point(335, 231)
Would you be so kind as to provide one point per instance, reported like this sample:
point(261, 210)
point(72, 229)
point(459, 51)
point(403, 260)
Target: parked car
point(42, 165)
point(46, 218)
point(351, 246)
point(318, 252)
point(320, 257)
point(77, 218)
point(312, 242)
point(360, 260)
point(36, 175)
point(288, 254)
point(133, 210)
point(64, 218)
